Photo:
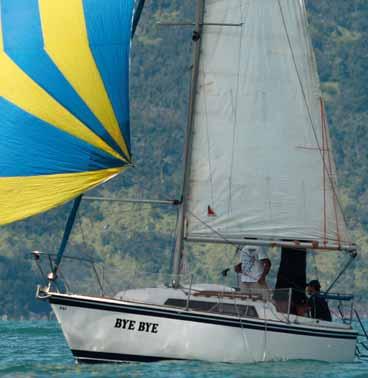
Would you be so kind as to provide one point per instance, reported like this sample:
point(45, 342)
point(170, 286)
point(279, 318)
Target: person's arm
point(266, 269)
point(238, 268)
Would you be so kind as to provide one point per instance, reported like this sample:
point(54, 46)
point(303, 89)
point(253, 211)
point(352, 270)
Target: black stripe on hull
point(102, 357)
point(196, 317)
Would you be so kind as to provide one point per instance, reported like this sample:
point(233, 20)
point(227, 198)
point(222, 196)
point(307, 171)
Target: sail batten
point(261, 156)
point(64, 106)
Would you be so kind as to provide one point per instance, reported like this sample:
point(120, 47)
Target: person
point(317, 304)
point(254, 266)
point(292, 274)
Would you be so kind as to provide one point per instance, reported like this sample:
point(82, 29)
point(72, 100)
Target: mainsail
point(64, 106)
point(261, 160)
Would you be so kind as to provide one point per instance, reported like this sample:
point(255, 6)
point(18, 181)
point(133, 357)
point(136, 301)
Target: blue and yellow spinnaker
point(64, 105)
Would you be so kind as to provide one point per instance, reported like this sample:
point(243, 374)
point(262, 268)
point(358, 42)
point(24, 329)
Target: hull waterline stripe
point(198, 318)
point(101, 357)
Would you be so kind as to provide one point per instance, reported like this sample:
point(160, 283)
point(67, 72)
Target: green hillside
point(137, 238)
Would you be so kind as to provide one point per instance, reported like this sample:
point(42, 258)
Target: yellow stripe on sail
point(66, 41)
point(22, 197)
point(18, 88)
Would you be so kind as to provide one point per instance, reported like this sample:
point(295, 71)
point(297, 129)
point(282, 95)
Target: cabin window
point(215, 307)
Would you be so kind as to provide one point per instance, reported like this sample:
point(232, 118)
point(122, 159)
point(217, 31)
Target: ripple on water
point(38, 349)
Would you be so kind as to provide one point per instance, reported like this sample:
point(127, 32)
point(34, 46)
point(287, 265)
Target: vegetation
point(140, 237)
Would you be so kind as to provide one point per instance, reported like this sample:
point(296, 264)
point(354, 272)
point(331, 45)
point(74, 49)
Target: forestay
point(64, 107)
point(261, 162)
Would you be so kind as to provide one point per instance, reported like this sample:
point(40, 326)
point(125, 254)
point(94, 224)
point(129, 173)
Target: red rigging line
point(336, 201)
point(324, 174)
point(328, 168)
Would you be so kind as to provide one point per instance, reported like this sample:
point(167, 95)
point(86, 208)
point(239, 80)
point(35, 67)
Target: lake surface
point(38, 349)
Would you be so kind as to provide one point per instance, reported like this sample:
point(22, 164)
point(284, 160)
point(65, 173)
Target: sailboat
point(258, 169)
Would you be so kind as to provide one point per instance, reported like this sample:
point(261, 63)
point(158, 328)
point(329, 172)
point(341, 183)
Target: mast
point(178, 253)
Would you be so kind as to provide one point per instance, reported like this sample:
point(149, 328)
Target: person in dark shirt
point(292, 275)
point(317, 304)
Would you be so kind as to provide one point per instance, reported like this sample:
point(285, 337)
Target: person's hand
point(238, 268)
point(262, 280)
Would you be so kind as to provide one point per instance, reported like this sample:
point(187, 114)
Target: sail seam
point(208, 137)
point(273, 242)
point(234, 103)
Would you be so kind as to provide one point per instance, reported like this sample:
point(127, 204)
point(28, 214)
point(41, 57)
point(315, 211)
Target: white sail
point(261, 164)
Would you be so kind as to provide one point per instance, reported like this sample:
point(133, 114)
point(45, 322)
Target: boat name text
point(133, 325)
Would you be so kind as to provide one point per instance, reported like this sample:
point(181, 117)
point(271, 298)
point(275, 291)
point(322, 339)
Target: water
point(38, 349)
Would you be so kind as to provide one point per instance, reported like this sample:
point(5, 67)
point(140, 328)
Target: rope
point(84, 242)
point(315, 264)
point(265, 333)
point(308, 109)
point(247, 349)
point(212, 229)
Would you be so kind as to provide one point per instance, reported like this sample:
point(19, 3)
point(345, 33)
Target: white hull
point(94, 330)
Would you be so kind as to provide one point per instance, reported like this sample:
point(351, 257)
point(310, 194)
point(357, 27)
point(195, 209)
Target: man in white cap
point(254, 266)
